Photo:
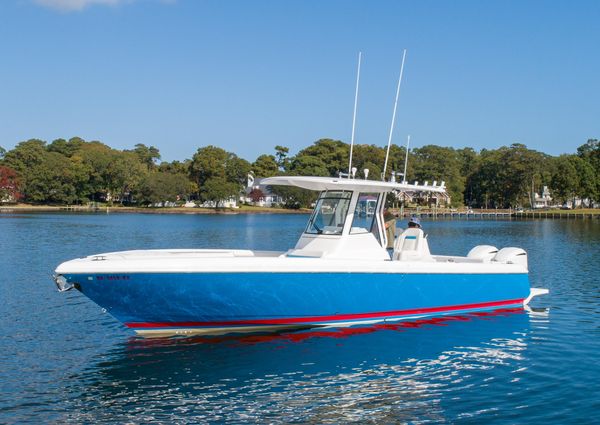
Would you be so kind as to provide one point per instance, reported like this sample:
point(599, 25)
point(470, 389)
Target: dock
point(500, 214)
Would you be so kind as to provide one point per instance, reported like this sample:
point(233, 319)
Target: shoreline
point(144, 210)
point(246, 209)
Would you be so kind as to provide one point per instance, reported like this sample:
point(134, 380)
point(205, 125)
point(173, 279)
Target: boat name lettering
point(113, 277)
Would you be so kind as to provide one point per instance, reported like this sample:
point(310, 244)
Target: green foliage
point(505, 177)
point(212, 166)
point(66, 148)
point(113, 174)
point(305, 165)
point(237, 170)
point(574, 177)
point(370, 157)
point(76, 171)
point(281, 152)
point(207, 163)
point(265, 166)
point(436, 163)
point(295, 197)
point(217, 189)
point(332, 156)
point(147, 155)
point(175, 167)
point(161, 187)
point(590, 153)
point(565, 181)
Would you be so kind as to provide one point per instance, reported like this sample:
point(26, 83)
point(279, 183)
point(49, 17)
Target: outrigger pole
point(404, 179)
point(393, 118)
point(354, 115)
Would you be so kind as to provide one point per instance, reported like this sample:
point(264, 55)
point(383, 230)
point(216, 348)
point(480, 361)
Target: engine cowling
point(483, 252)
point(511, 255)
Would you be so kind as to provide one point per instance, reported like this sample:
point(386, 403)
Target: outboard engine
point(511, 256)
point(483, 252)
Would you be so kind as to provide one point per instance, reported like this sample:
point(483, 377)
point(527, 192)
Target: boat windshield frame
point(338, 202)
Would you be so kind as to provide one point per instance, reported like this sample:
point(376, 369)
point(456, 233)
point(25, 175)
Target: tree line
point(76, 171)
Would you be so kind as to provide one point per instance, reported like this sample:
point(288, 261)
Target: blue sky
point(249, 75)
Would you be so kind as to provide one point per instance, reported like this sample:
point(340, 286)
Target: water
point(62, 360)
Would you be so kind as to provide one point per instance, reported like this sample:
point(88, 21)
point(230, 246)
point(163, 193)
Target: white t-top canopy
point(333, 183)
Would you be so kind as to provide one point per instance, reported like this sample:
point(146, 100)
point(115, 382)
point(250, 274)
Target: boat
point(339, 273)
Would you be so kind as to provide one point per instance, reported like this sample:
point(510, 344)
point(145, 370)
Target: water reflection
point(409, 372)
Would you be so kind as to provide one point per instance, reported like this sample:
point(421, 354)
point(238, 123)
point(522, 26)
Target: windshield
point(364, 214)
point(330, 213)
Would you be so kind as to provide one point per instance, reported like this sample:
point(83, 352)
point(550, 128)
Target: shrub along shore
point(76, 172)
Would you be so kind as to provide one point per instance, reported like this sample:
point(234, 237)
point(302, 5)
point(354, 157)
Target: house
point(259, 195)
point(543, 201)
point(432, 199)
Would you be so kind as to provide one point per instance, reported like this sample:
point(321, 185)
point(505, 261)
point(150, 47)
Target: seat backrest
point(412, 245)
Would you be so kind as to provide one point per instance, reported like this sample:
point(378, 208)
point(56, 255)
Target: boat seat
point(412, 245)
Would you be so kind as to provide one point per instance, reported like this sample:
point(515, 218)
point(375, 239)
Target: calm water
point(63, 360)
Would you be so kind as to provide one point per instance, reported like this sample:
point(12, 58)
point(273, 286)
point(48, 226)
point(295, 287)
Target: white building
point(543, 201)
point(259, 195)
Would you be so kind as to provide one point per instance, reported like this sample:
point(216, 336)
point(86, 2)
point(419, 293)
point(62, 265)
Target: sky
point(249, 75)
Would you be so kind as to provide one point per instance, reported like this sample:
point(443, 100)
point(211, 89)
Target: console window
point(330, 212)
point(364, 214)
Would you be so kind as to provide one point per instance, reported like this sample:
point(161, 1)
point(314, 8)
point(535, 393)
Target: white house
point(259, 195)
point(543, 201)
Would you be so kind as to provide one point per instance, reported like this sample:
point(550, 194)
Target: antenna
point(354, 114)
point(406, 160)
point(387, 154)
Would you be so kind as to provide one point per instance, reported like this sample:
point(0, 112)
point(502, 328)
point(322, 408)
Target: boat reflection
point(388, 373)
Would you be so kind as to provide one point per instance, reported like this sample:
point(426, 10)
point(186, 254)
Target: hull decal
point(326, 319)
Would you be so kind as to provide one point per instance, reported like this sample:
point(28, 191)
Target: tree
point(590, 152)
point(396, 163)
point(256, 195)
point(147, 155)
point(565, 181)
point(113, 174)
point(281, 152)
point(436, 163)
point(294, 197)
point(207, 163)
point(124, 175)
point(236, 170)
point(218, 189)
point(66, 148)
point(175, 167)
point(370, 157)
point(504, 177)
point(332, 154)
point(25, 154)
point(2, 152)
point(216, 165)
point(588, 179)
point(9, 185)
point(161, 187)
point(265, 166)
point(306, 165)
point(97, 158)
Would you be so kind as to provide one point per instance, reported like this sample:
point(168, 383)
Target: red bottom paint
point(324, 319)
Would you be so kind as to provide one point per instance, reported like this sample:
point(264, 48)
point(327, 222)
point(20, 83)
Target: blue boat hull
point(170, 302)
